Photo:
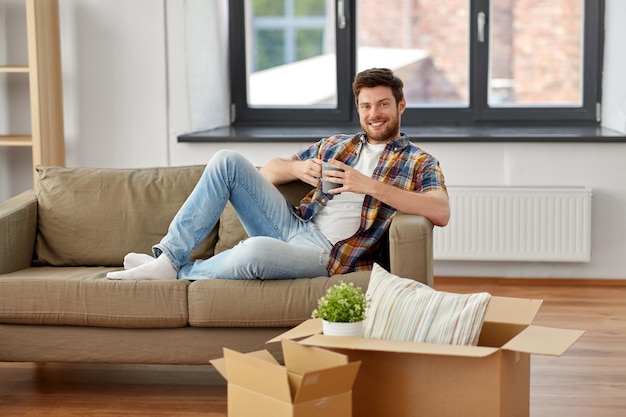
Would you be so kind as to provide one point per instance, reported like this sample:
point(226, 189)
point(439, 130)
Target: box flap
point(304, 329)
point(257, 374)
point(263, 355)
point(327, 382)
point(543, 340)
point(355, 343)
point(220, 364)
point(512, 310)
point(301, 359)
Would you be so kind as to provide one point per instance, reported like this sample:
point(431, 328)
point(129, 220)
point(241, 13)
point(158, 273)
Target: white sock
point(159, 268)
point(133, 260)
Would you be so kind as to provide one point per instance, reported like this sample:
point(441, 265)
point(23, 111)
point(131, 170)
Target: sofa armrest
point(18, 227)
point(411, 247)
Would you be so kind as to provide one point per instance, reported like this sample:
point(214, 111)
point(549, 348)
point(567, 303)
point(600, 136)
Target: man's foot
point(133, 260)
point(158, 269)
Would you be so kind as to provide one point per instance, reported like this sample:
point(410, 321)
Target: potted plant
point(342, 310)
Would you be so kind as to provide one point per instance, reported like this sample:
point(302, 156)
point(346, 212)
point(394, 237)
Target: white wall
point(114, 82)
point(614, 82)
point(126, 74)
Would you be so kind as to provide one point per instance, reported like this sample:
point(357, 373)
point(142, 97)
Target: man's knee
point(228, 155)
point(257, 248)
point(227, 160)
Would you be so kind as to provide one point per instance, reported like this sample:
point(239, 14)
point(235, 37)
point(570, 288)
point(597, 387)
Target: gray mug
point(327, 186)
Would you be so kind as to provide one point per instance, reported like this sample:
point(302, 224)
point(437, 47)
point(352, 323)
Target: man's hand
point(281, 171)
point(308, 171)
point(351, 179)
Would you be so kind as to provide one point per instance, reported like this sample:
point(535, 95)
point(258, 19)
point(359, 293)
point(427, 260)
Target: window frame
point(241, 113)
point(477, 113)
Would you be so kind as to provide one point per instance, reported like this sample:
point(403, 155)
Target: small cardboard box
point(404, 379)
point(313, 383)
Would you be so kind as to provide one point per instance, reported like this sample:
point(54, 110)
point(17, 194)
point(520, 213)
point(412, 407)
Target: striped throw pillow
point(407, 310)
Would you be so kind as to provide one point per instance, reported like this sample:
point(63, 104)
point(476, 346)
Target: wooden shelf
point(45, 89)
point(15, 68)
point(16, 140)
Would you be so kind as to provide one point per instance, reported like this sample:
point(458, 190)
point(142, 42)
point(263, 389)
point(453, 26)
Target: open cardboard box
point(313, 383)
point(403, 379)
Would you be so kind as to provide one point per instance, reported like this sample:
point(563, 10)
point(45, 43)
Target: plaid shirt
point(402, 165)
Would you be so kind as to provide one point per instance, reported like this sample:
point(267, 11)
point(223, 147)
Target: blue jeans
point(281, 245)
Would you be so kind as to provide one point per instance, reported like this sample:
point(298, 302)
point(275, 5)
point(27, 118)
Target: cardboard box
point(313, 382)
point(404, 379)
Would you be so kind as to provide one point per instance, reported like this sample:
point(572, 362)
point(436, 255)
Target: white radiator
point(516, 224)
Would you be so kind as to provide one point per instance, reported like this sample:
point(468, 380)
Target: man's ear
point(401, 106)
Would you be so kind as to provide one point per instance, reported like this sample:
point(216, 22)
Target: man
point(329, 233)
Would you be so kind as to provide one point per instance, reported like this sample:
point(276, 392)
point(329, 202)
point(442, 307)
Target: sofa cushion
point(95, 216)
point(80, 296)
point(407, 310)
point(258, 303)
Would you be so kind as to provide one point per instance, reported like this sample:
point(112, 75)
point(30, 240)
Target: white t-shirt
point(341, 217)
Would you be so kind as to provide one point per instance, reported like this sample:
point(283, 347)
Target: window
point(291, 40)
point(462, 61)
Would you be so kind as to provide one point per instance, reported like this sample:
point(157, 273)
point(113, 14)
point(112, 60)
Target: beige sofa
point(56, 246)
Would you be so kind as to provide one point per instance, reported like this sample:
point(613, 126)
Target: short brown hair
point(378, 76)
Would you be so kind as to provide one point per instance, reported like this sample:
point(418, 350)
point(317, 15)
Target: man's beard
point(391, 131)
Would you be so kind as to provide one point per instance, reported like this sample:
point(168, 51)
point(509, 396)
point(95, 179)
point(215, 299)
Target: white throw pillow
point(407, 310)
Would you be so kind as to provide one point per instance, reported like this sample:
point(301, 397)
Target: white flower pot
point(342, 329)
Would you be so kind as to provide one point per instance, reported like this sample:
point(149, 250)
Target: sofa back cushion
point(95, 216)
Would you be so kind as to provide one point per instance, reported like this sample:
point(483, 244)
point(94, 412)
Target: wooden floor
point(588, 381)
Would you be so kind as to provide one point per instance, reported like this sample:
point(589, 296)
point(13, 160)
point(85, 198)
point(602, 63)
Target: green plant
point(343, 303)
